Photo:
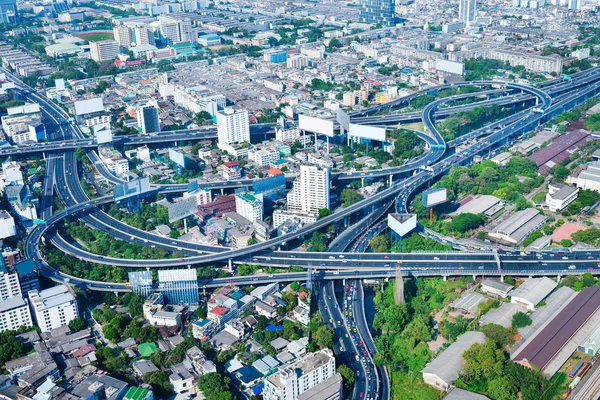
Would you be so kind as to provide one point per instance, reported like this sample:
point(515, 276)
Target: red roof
point(302, 295)
point(231, 164)
point(274, 171)
point(219, 310)
point(83, 350)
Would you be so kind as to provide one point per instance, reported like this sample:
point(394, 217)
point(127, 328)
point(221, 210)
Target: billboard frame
point(377, 132)
point(309, 124)
point(426, 194)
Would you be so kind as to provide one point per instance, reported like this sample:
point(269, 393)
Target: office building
point(249, 205)
point(54, 307)
point(12, 173)
point(275, 56)
point(23, 124)
point(104, 50)
point(28, 276)
point(123, 36)
point(294, 379)
point(467, 11)
point(9, 13)
point(575, 5)
point(233, 126)
point(7, 225)
point(179, 286)
point(310, 192)
point(141, 282)
point(14, 313)
point(377, 12)
point(560, 196)
point(147, 118)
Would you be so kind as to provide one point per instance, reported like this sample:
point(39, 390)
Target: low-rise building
point(496, 288)
point(514, 229)
point(532, 291)
point(446, 367)
point(560, 196)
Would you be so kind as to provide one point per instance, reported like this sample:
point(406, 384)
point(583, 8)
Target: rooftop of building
point(534, 290)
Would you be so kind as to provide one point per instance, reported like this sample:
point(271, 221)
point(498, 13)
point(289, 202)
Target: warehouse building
point(501, 316)
point(482, 204)
point(591, 345)
point(532, 291)
point(517, 227)
point(461, 394)
point(496, 288)
point(552, 346)
point(445, 369)
point(588, 178)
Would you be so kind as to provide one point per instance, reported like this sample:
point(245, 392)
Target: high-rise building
point(310, 192)
point(147, 118)
point(9, 283)
point(575, 5)
point(14, 313)
point(7, 225)
point(123, 35)
point(9, 13)
point(179, 286)
point(377, 12)
point(141, 282)
point(467, 11)
point(175, 30)
point(300, 376)
point(54, 307)
point(142, 36)
point(249, 205)
point(233, 126)
point(104, 50)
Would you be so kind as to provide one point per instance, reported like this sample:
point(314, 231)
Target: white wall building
point(12, 173)
point(263, 157)
point(14, 313)
point(310, 192)
point(300, 376)
point(7, 225)
point(233, 126)
point(467, 11)
point(54, 307)
point(249, 206)
point(560, 196)
point(104, 50)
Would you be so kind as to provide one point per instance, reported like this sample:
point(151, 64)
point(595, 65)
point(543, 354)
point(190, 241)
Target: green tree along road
point(405, 329)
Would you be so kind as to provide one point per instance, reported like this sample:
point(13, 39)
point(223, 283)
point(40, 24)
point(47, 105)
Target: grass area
point(539, 197)
point(95, 37)
point(417, 126)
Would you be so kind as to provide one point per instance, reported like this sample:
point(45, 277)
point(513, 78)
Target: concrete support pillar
point(501, 278)
point(222, 192)
point(345, 222)
point(116, 293)
point(391, 180)
point(204, 291)
point(362, 181)
point(474, 277)
point(445, 278)
point(230, 265)
point(558, 278)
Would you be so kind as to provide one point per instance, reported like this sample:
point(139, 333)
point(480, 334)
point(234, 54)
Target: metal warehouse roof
point(534, 290)
point(448, 365)
point(460, 394)
point(544, 347)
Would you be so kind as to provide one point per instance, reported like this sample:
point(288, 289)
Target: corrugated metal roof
point(542, 349)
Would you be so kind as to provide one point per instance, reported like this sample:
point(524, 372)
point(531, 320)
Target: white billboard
point(434, 197)
point(177, 157)
point(449, 66)
point(315, 125)
point(103, 133)
point(183, 207)
point(402, 224)
point(367, 132)
point(83, 107)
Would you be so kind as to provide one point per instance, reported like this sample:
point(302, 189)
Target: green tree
point(380, 244)
point(324, 212)
point(78, 324)
point(349, 197)
point(161, 385)
point(520, 320)
point(347, 375)
point(317, 242)
point(215, 386)
point(466, 221)
point(498, 334)
point(324, 336)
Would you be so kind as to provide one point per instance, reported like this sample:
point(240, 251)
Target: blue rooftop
point(258, 389)
point(210, 37)
point(274, 328)
point(248, 374)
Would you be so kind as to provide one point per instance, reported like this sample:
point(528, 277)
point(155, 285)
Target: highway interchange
point(63, 178)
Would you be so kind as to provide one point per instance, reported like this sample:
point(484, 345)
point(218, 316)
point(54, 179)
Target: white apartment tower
point(467, 11)
point(14, 313)
point(311, 190)
point(296, 378)
point(54, 307)
point(233, 126)
point(104, 50)
point(249, 206)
